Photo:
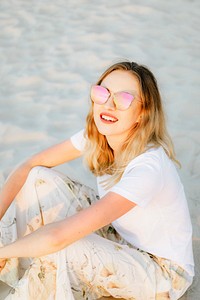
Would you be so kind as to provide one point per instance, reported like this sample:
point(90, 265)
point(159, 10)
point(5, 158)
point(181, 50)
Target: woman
point(147, 251)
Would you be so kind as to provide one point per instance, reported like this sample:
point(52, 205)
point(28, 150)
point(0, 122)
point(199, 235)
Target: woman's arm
point(50, 157)
point(56, 236)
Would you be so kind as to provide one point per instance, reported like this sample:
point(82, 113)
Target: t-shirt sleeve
point(140, 182)
point(78, 140)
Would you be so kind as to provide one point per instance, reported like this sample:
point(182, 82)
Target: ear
point(139, 118)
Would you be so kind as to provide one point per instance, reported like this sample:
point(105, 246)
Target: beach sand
point(52, 51)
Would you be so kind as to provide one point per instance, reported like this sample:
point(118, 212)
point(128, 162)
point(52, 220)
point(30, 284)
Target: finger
point(2, 264)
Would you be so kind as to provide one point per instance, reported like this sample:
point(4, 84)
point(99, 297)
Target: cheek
point(96, 115)
point(128, 123)
point(95, 109)
point(95, 112)
point(131, 118)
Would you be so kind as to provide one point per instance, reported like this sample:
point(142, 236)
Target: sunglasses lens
point(123, 100)
point(99, 94)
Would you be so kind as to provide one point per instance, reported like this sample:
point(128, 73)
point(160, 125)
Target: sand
point(52, 51)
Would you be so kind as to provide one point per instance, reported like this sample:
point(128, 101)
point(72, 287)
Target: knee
point(35, 173)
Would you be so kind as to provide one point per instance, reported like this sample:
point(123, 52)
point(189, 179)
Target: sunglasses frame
point(114, 95)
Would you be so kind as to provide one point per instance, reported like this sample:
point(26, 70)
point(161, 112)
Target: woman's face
point(113, 123)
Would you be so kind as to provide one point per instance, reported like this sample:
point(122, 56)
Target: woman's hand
point(2, 263)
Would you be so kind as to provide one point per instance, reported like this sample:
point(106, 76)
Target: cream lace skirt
point(101, 264)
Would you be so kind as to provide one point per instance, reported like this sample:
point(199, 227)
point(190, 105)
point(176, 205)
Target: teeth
point(108, 118)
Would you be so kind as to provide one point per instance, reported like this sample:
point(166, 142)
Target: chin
point(104, 131)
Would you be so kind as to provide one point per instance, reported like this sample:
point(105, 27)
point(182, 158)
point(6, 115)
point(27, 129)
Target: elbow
point(31, 162)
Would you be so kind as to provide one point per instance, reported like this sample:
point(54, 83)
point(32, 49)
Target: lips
point(105, 117)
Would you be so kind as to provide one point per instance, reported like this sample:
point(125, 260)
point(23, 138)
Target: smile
point(108, 118)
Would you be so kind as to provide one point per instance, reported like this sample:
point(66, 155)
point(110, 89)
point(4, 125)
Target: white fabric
point(101, 264)
point(78, 140)
point(160, 223)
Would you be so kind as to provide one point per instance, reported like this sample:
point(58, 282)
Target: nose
point(110, 104)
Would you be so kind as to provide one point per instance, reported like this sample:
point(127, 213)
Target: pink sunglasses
point(100, 95)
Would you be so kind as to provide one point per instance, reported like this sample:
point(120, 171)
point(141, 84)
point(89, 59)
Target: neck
point(114, 143)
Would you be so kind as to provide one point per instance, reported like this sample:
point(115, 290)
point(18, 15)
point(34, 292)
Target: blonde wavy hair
point(149, 132)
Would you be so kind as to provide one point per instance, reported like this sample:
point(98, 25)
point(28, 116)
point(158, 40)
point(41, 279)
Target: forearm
point(12, 186)
point(56, 236)
point(36, 244)
point(50, 238)
point(46, 239)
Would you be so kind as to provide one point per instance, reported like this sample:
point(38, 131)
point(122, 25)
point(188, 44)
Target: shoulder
point(153, 159)
point(143, 177)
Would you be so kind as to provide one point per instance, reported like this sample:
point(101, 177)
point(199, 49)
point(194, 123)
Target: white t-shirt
point(160, 223)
